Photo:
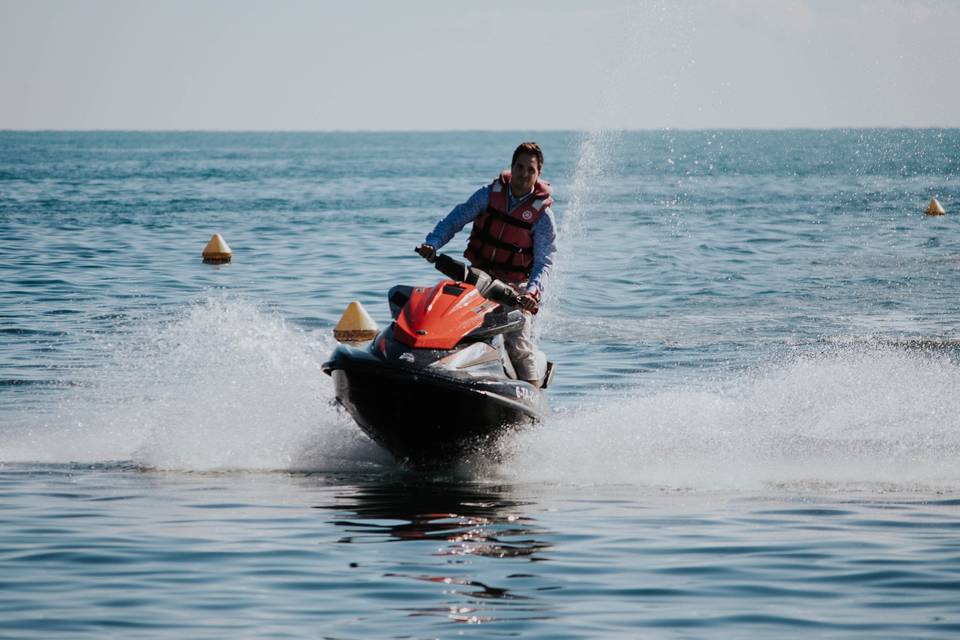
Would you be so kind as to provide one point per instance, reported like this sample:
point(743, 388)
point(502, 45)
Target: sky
point(448, 64)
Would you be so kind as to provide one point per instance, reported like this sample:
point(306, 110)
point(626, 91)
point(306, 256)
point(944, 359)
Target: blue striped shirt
point(544, 232)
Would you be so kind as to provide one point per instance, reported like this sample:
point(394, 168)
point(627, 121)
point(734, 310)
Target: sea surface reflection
point(476, 541)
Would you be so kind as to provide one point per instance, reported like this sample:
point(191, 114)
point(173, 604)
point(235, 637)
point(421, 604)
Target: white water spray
point(876, 418)
point(222, 385)
point(225, 385)
point(654, 45)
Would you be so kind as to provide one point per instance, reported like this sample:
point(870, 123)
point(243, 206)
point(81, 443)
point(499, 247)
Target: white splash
point(222, 385)
point(875, 418)
point(225, 385)
point(653, 44)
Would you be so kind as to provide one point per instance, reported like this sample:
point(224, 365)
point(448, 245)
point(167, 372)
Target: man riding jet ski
point(513, 238)
point(437, 384)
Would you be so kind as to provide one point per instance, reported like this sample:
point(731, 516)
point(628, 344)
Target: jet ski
point(437, 385)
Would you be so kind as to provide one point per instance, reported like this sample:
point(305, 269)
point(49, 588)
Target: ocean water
point(754, 427)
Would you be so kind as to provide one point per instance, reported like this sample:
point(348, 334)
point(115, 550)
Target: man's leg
point(522, 351)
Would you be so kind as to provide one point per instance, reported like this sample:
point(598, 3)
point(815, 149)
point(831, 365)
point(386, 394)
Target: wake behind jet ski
point(436, 384)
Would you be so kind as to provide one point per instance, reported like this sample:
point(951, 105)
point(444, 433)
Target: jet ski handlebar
point(488, 286)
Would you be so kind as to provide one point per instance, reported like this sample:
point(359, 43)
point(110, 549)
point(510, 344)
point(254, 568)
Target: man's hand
point(529, 302)
point(428, 252)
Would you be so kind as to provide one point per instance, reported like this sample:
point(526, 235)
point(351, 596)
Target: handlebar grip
point(416, 250)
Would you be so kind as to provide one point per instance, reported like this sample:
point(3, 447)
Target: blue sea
point(754, 427)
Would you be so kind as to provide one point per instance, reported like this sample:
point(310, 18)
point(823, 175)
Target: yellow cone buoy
point(217, 250)
point(355, 325)
point(935, 208)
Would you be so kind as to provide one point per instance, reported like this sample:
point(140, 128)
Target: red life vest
point(501, 241)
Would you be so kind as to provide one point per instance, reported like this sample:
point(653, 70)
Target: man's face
point(525, 172)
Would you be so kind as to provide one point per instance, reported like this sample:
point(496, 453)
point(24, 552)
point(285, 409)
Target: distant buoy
point(217, 250)
point(935, 208)
point(355, 325)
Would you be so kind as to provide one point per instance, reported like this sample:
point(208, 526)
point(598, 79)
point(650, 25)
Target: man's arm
point(458, 218)
point(544, 251)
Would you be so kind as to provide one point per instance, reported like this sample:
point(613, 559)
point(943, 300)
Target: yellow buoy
point(935, 208)
point(217, 250)
point(355, 325)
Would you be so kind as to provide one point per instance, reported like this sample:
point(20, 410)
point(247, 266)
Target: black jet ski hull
point(426, 417)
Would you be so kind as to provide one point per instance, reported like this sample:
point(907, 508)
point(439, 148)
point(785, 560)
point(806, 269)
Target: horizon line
point(508, 130)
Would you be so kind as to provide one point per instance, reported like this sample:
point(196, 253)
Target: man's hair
point(531, 148)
